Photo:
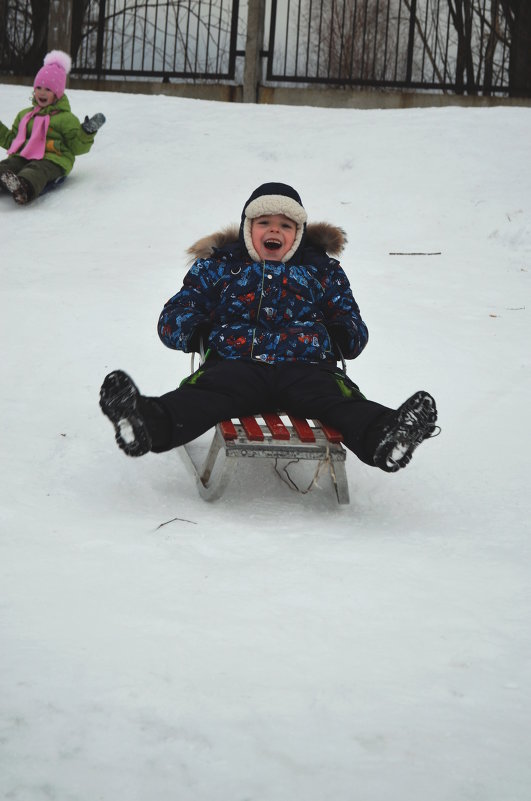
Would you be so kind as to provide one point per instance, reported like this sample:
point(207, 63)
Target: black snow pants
point(224, 389)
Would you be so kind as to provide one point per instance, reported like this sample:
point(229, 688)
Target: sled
point(53, 184)
point(267, 436)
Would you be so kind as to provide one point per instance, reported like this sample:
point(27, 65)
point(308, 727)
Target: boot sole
point(12, 184)
point(10, 181)
point(399, 443)
point(119, 402)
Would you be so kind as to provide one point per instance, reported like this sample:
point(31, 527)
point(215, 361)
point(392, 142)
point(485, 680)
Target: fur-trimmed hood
point(321, 235)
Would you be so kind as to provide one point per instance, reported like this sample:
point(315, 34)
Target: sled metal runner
point(266, 436)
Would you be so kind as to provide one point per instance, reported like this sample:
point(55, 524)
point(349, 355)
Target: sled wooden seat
point(268, 436)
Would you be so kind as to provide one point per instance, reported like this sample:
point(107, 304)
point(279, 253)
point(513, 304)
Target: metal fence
point(159, 39)
point(415, 44)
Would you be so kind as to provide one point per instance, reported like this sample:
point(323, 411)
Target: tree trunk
point(461, 15)
point(471, 83)
point(490, 48)
point(78, 16)
point(520, 53)
point(60, 25)
point(31, 62)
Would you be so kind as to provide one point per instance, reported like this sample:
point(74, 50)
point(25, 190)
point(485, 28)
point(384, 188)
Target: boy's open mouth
point(272, 244)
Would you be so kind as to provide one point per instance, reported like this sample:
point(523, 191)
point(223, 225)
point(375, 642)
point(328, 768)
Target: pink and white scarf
point(36, 145)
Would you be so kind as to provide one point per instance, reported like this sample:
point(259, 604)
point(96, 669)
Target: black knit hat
point(273, 198)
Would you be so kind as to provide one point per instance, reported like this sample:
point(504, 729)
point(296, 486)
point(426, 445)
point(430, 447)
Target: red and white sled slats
point(255, 432)
point(268, 436)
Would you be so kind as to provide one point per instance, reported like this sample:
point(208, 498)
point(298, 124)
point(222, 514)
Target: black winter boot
point(140, 423)
point(403, 430)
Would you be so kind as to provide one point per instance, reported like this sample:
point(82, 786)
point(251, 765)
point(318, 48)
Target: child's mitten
point(339, 339)
point(93, 124)
point(198, 337)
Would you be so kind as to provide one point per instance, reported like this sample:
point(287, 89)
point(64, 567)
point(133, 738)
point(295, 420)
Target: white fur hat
point(273, 198)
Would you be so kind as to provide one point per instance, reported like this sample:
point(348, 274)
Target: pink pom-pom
point(58, 57)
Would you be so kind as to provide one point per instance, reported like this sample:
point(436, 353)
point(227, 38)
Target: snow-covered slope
point(271, 646)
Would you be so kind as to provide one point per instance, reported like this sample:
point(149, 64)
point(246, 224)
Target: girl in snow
point(45, 139)
point(275, 313)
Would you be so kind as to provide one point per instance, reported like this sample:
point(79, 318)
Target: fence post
point(60, 25)
point(412, 21)
point(252, 72)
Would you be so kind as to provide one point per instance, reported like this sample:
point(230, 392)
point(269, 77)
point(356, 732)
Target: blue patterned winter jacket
point(266, 311)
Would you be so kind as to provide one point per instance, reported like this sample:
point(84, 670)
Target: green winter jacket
point(65, 138)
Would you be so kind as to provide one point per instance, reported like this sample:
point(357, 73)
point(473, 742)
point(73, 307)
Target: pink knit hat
point(52, 76)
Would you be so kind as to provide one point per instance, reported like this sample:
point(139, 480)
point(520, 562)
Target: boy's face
point(273, 236)
point(43, 96)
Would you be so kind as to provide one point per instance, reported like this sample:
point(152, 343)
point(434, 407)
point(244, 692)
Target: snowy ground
point(270, 646)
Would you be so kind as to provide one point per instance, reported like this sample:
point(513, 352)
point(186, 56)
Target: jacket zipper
point(259, 307)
